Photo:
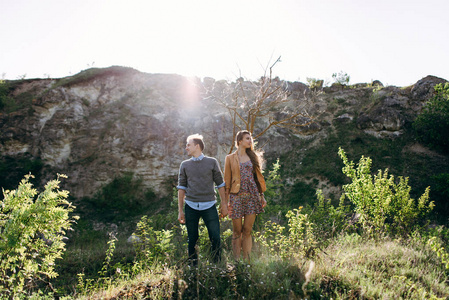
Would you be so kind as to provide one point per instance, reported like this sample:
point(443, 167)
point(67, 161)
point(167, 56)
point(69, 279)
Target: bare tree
point(259, 106)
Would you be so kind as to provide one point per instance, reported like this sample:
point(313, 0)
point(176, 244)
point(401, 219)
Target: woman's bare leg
point(236, 237)
point(247, 242)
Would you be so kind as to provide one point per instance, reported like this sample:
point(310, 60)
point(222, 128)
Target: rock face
point(393, 107)
point(101, 123)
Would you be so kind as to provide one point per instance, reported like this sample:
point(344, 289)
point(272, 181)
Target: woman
point(244, 187)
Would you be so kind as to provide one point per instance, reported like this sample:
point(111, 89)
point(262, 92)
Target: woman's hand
point(262, 199)
point(223, 210)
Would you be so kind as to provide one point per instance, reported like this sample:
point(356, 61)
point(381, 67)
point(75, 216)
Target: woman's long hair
point(255, 156)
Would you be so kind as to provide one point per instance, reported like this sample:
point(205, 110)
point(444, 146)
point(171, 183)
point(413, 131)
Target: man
point(196, 180)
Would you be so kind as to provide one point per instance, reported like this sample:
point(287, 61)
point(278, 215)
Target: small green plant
point(341, 78)
point(105, 279)
point(151, 244)
point(329, 220)
point(382, 205)
point(273, 196)
point(273, 182)
point(438, 248)
point(432, 125)
point(294, 241)
point(32, 231)
point(315, 83)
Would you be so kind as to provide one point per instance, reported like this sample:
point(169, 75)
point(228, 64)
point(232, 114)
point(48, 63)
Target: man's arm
point(181, 215)
point(182, 186)
point(223, 202)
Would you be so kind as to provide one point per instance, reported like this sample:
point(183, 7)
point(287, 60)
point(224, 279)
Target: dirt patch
point(420, 149)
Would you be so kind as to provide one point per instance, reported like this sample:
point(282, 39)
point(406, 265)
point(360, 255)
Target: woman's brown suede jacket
point(232, 175)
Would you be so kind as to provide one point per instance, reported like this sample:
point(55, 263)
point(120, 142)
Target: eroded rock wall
point(96, 126)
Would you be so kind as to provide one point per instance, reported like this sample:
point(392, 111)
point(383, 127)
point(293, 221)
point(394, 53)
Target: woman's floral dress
point(247, 201)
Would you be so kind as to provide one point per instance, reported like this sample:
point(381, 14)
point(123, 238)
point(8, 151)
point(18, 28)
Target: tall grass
point(350, 267)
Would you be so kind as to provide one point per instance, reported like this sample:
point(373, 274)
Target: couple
point(241, 194)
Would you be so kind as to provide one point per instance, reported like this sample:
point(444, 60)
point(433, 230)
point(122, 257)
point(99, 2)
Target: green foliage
point(382, 205)
point(432, 125)
point(273, 182)
point(273, 196)
point(440, 193)
point(341, 77)
point(106, 277)
point(300, 193)
point(32, 233)
point(436, 246)
point(123, 197)
point(152, 244)
point(315, 83)
point(12, 170)
point(109, 255)
point(4, 94)
point(329, 220)
point(297, 240)
point(8, 103)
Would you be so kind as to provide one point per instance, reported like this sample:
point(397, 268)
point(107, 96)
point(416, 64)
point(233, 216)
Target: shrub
point(151, 244)
point(341, 78)
point(295, 242)
point(328, 220)
point(122, 198)
point(12, 170)
point(432, 125)
point(440, 193)
point(381, 204)
point(31, 234)
point(9, 104)
point(314, 83)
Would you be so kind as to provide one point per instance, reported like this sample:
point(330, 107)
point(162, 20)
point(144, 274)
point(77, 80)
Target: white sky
point(395, 41)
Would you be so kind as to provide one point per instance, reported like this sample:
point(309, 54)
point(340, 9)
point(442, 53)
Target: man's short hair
point(197, 140)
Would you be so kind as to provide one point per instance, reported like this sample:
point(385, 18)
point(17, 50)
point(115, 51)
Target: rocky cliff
point(101, 123)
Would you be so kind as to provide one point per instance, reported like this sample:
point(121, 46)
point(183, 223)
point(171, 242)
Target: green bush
point(341, 77)
point(151, 244)
point(382, 205)
point(124, 197)
point(11, 104)
point(440, 193)
point(12, 170)
point(432, 125)
point(301, 193)
point(315, 83)
point(31, 234)
point(329, 220)
point(294, 241)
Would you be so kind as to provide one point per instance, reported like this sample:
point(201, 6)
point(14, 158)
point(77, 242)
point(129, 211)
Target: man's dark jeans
point(210, 218)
